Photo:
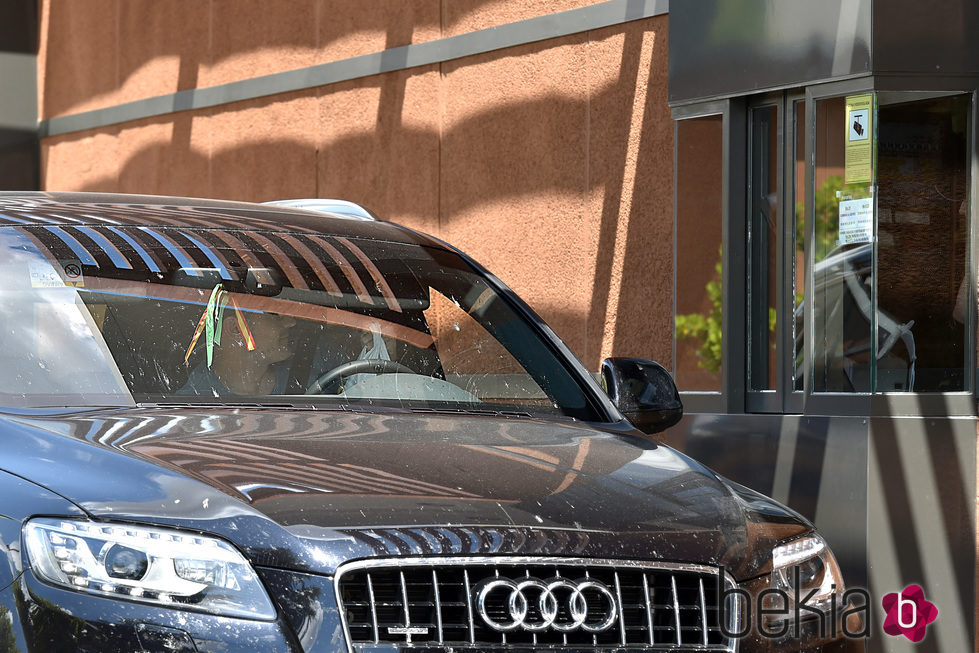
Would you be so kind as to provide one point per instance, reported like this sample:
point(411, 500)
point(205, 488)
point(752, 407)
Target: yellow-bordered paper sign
point(859, 146)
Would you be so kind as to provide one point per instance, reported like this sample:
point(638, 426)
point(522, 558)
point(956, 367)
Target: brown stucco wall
point(550, 163)
point(104, 52)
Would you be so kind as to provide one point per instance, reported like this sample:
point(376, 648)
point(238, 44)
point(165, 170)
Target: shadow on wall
point(85, 38)
point(520, 153)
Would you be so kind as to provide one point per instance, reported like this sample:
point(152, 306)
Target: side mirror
point(643, 391)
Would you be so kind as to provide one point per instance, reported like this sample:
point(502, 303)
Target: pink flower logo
point(908, 613)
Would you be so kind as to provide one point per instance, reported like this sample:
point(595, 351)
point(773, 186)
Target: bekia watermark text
point(775, 613)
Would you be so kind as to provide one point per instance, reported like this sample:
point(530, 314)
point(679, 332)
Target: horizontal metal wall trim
point(532, 30)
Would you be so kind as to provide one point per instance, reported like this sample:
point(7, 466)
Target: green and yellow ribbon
point(212, 322)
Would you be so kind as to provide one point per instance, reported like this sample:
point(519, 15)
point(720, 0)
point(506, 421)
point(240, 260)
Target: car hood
point(308, 490)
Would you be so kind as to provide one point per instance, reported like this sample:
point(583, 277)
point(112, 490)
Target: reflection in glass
point(698, 253)
point(843, 272)
point(897, 323)
point(799, 255)
point(410, 327)
point(763, 226)
point(922, 235)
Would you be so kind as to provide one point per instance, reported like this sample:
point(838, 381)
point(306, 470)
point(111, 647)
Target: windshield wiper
point(472, 411)
point(278, 405)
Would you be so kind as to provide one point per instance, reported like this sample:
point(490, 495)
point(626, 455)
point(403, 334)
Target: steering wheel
point(369, 365)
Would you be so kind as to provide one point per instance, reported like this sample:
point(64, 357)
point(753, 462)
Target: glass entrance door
point(776, 262)
point(892, 295)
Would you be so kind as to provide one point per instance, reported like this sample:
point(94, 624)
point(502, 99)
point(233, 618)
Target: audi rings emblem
point(535, 605)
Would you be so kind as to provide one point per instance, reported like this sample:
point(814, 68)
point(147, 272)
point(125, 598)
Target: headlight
point(152, 565)
point(805, 571)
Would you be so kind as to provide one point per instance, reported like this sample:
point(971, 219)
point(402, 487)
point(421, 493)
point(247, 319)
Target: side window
point(890, 281)
point(698, 293)
point(463, 345)
point(922, 236)
point(473, 359)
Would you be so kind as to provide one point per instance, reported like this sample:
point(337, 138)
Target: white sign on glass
point(856, 221)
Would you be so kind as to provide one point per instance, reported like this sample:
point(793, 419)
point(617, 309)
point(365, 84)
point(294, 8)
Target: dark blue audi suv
point(239, 427)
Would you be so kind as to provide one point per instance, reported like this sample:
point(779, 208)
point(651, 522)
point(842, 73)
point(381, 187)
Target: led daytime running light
point(796, 551)
point(789, 559)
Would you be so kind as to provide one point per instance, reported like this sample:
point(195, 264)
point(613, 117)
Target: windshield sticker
point(43, 275)
point(72, 269)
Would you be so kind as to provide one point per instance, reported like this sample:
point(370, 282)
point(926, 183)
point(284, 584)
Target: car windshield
point(112, 315)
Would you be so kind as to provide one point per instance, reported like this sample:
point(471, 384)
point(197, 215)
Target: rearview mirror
point(644, 393)
point(263, 281)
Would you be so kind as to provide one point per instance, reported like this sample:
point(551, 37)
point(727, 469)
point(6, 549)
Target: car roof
point(48, 209)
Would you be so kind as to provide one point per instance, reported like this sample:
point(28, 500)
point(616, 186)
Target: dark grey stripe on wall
point(541, 28)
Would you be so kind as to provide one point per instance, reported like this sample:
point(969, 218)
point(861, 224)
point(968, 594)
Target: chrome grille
point(426, 602)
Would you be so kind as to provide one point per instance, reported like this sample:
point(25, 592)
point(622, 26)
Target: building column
point(19, 150)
